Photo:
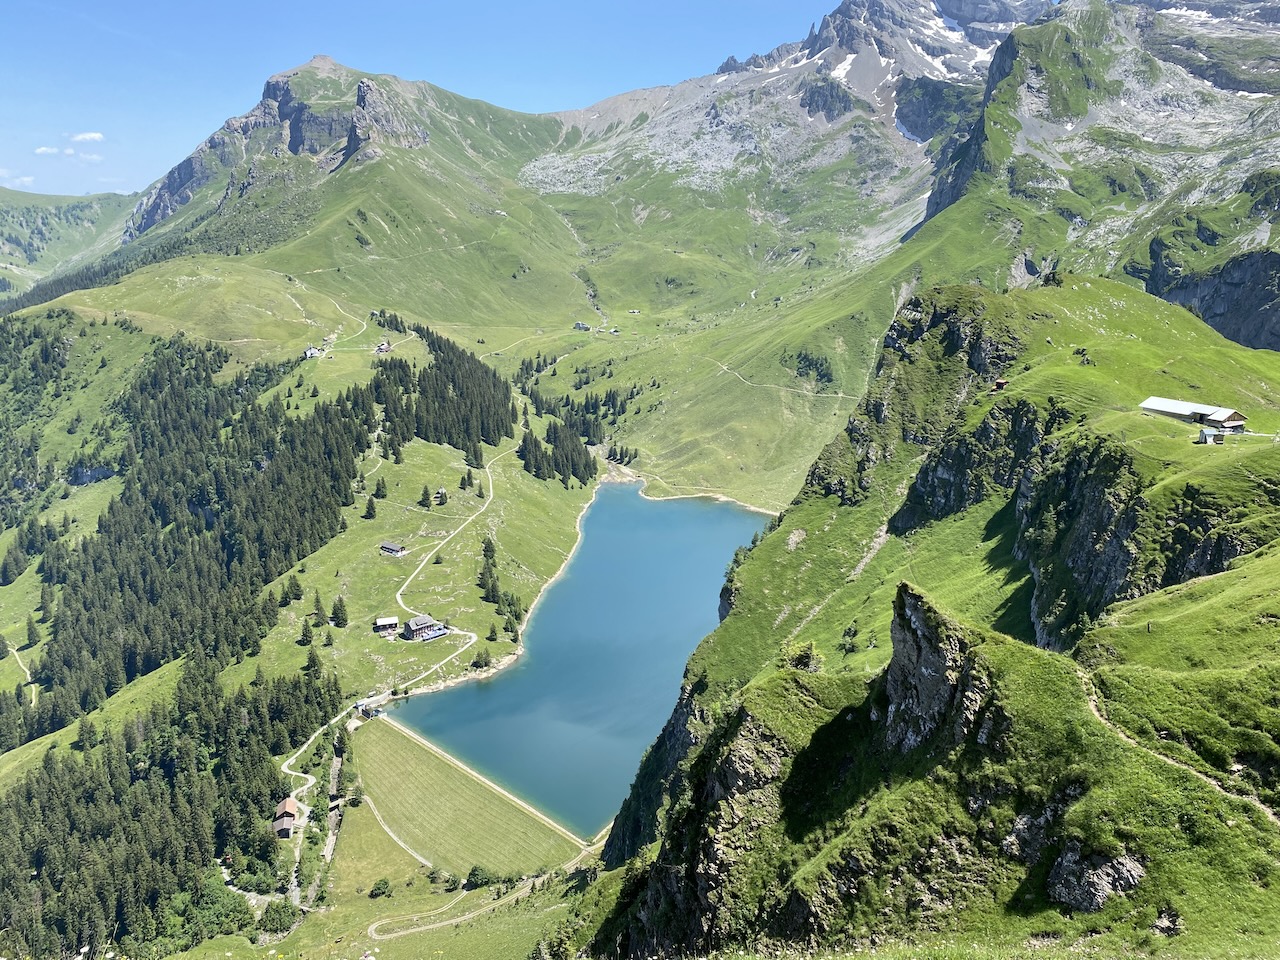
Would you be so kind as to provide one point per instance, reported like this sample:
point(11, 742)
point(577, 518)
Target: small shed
point(1210, 435)
point(286, 816)
point(581, 326)
point(424, 628)
point(393, 549)
point(312, 352)
point(386, 625)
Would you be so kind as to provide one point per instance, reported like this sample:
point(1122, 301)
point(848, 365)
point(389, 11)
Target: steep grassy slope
point(979, 785)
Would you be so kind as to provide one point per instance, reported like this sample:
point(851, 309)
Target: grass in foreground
point(448, 816)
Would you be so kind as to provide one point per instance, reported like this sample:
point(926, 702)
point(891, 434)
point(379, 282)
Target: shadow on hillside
point(1013, 615)
point(844, 764)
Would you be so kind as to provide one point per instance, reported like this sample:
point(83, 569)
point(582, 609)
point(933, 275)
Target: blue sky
point(109, 96)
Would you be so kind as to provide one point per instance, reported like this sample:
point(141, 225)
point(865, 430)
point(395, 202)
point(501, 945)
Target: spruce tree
point(427, 497)
point(46, 602)
point(307, 635)
point(339, 612)
point(317, 611)
point(370, 509)
point(380, 488)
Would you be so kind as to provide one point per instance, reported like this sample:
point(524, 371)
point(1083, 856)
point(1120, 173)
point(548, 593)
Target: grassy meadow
point(448, 816)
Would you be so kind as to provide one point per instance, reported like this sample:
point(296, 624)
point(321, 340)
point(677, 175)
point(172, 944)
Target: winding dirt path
point(360, 320)
point(437, 548)
point(1091, 692)
point(25, 672)
point(521, 889)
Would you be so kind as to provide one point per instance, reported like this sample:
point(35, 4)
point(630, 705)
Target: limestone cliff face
point(931, 683)
point(965, 469)
point(379, 110)
point(658, 778)
point(688, 899)
point(953, 335)
point(1240, 299)
point(1078, 514)
point(968, 156)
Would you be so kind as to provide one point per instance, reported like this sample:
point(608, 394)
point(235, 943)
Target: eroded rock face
point(1085, 883)
point(687, 903)
point(283, 120)
point(931, 682)
point(1240, 299)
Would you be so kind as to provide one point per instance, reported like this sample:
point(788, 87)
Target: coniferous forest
point(222, 494)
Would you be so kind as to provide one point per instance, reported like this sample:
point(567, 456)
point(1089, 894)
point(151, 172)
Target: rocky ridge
point(381, 111)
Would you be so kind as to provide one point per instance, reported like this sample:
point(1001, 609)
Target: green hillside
point(40, 235)
point(998, 681)
point(964, 804)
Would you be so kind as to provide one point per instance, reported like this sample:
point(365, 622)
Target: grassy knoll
point(531, 522)
point(447, 815)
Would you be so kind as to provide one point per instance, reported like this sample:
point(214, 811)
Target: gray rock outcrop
point(1086, 882)
point(932, 684)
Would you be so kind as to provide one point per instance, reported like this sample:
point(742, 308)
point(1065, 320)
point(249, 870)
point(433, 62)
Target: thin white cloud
point(91, 157)
point(89, 136)
point(45, 151)
point(18, 183)
point(68, 152)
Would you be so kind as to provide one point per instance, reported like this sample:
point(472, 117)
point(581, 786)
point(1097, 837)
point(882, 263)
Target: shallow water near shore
point(565, 727)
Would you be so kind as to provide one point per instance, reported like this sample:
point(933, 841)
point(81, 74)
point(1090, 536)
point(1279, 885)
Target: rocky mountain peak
point(321, 110)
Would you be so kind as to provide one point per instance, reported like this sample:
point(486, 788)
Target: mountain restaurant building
point(424, 628)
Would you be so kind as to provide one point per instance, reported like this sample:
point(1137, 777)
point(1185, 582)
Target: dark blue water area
point(566, 726)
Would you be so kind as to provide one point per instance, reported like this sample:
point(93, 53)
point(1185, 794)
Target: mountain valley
point(998, 680)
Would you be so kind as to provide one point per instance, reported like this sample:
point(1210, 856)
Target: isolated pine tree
point(380, 488)
point(370, 509)
point(339, 612)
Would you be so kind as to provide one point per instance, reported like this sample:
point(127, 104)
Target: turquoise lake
point(566, 726)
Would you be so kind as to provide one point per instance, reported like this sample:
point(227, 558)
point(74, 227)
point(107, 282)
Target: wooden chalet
point(393, 549)
point(286, 817)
